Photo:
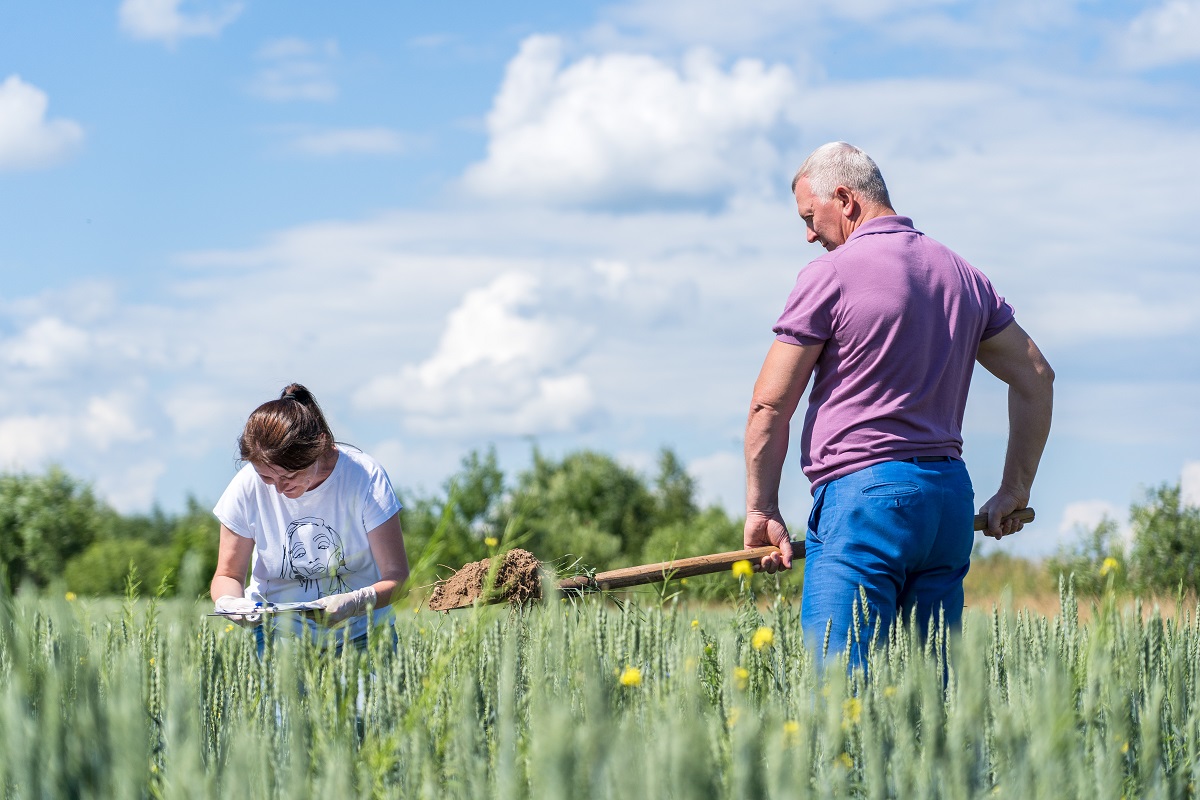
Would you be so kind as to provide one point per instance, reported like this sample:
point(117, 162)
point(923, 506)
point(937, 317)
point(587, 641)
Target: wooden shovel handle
point(666, 570)
point(703, 565)
point(1020, 515)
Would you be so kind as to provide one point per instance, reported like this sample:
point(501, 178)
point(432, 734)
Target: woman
point(320, 521)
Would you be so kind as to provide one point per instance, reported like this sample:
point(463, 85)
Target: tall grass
point(592, 700)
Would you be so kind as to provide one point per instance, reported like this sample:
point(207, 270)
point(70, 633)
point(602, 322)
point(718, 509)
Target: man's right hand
point(764, 529)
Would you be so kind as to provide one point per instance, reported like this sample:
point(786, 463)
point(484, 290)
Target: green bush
point(1166, 541)
point(1097, 560)
point(45, 520)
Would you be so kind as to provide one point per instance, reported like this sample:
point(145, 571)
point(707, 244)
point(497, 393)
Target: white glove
point(241, 610)
point(342, 606)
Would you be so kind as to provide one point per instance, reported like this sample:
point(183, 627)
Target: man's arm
point(1014, 358)
point(777, 392)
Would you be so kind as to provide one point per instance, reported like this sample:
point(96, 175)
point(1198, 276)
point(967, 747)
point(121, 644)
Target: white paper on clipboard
point(272, 608)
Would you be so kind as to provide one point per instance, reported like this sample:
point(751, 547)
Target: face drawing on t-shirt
point(314, 555)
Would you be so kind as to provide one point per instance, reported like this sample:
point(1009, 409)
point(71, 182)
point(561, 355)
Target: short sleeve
point(232, 509)
point(808, 317)
point(999, 312)
point(381, 501)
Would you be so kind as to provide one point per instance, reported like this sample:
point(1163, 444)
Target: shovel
point(682, 568)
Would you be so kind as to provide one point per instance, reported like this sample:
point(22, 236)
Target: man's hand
point(766, 529)
point(241, 610)
point(1003, 504)
point(339, 607)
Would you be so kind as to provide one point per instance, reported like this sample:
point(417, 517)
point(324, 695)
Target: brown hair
point(290, 433)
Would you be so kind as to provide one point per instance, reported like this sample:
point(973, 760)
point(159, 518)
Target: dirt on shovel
point(518, 579)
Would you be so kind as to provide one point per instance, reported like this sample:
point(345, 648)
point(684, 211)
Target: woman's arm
point(233, 561)
point(387, 547)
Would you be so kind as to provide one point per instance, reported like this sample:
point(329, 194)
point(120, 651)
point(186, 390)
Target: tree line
point(583, 511)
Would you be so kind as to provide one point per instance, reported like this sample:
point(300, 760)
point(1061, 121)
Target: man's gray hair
point(841, 164)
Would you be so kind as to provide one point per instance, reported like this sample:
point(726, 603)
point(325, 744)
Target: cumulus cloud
point(30, 440)
point(163, 20)
point(131, 489)
point(721, 480)
point(27, 139)
point(295, 69)
point(1190, 484)
point(350, 141)
point(47, 345)
point(502, 365)
point(617, 126)
point(1084, 515)
point(1072, 317)
point(1161, 36)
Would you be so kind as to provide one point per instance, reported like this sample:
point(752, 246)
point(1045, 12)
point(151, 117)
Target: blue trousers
point(901, 531)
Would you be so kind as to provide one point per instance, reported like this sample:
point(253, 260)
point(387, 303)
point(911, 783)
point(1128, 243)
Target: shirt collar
point(892, 223)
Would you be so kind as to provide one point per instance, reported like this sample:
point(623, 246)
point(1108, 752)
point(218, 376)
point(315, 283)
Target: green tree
point(1166, 541)
point(674, 491)
point(44, 521)
point(586, 506)
point(452, 529)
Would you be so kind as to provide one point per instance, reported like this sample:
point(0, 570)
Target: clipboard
point(272, 608)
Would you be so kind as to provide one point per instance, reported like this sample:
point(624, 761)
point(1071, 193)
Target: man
point(888, 324)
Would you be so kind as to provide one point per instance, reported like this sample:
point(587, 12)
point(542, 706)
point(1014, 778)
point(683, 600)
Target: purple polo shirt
point(901, 317)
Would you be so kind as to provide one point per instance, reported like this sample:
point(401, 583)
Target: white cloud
point(1084, 515)
point(500, 366)
point(31, 440)
point(164, 21)
point(296, 69)
point(721, 481)
point(47, 345)
point(1190, 484)
point(132, 488)
point(350, 141)
point(27, 139)
point(617, 126)
point(1161, 36)
point(1084, 315)
point(111, 419)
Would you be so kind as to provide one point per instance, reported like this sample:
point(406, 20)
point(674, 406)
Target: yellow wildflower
point(632, 676)
point(763, 637)
point(1109, 565)
point(851, 712)
point(695, 623)
point(70, 597)
point(229, 627)
point(733, 717)
point(491, 541)
point(889, 691)
point(845, 760)
point(152, 662)
point(1125, 748)
point(742, 569)
point(741, 677)
point(791, 729)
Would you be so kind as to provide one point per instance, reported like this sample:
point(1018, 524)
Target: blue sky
point(569, 224)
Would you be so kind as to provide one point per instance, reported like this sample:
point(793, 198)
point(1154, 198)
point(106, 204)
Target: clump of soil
point(518, 579)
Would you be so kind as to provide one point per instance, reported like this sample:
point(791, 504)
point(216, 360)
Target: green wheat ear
point(142, 697)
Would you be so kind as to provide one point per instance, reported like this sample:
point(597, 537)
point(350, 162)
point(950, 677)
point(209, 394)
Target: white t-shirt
point(315, 545)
